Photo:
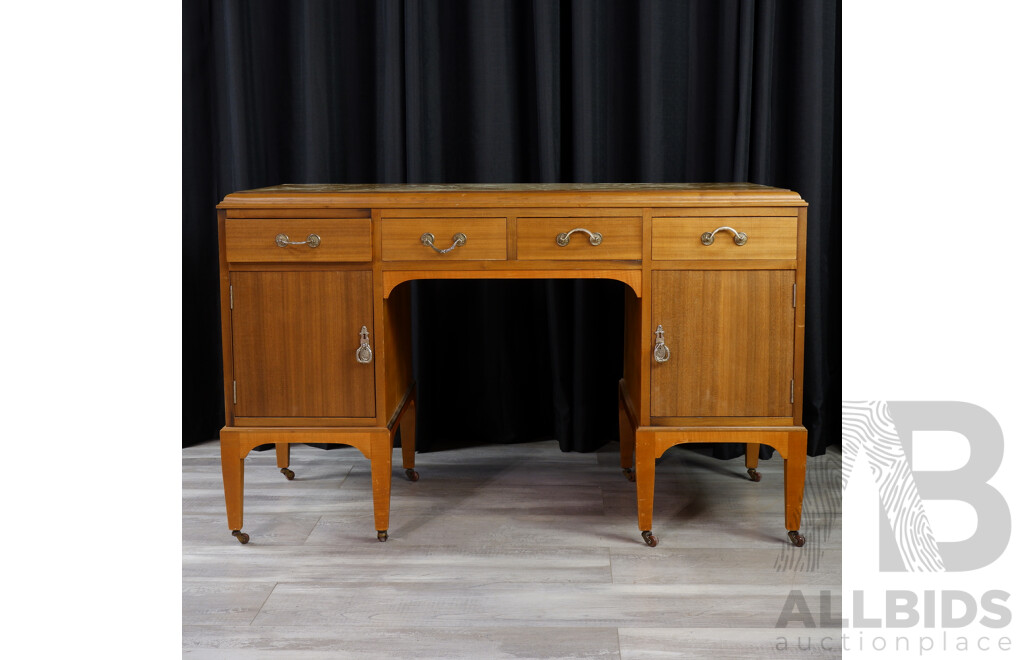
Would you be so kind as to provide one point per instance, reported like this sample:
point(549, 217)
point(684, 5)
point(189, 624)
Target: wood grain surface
point(767, 238)
point(341, 239)
point(730, 334)
point(620, 238)
point(294, 344)
point(485, 239)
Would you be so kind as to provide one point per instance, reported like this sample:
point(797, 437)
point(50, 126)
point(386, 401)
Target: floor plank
point(320, 564)
point(225, 602)
point(731, 643)
point(493, 603)
point(745, 566)
point(501, 551)
point(477, 643)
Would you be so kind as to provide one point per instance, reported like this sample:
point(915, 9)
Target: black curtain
point(511, 91)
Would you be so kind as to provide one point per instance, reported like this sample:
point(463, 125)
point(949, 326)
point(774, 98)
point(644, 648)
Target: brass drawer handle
point(661, 352)
point(312, 241)
point(364, 354)
point(738, 237)
point(563, 238)
point(458, 240)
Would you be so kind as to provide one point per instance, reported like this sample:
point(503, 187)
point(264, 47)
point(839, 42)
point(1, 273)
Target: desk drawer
point(337, 239)
point(402, 239)
point(766, 238)
point(555, 238)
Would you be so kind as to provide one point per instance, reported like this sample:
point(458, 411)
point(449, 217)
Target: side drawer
point(337, 239)
point(538, 238)
point(402, 239)
point(766, 238)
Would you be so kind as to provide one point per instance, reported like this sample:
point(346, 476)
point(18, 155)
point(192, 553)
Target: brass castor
point(630, 473)
point(288, 474)
point(797, 538)
point(411, 474)
point(382, 535)
point(754, 474)
point(649, 538)
point(242, 537)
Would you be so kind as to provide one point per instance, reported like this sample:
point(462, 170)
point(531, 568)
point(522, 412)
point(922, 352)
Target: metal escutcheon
point(738, 237)
point(364, 354)
point(661, 352)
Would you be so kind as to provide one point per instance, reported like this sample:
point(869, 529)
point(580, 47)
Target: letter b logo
point(882, 431)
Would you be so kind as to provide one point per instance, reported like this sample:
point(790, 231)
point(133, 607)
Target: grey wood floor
point(512, 551)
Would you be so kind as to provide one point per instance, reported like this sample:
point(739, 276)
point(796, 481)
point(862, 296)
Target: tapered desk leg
point(645, 485)
point(407, 428)
point(232, 466)
point(753, 449)
point(380, 474)
point(795, 467)
point(627, 443)
point(284, 456)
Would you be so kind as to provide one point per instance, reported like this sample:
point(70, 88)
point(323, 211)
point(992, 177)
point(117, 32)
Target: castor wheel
point(412, 475)
point(754, 474)
point(649, 538)
point(242, 537)
point(797, 538)
point(288, 474)
point(382, 535)
point(630, 473)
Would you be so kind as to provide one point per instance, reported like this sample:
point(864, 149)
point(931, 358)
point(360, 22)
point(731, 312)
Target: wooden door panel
point(731, 335)
point(295, 336)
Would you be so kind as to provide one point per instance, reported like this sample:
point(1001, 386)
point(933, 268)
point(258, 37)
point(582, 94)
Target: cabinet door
point(294, 341)
point(730, 336)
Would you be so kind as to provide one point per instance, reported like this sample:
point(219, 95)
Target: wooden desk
point(316, 319)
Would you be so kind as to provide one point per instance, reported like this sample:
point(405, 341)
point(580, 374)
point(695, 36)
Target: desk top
point(515, 194)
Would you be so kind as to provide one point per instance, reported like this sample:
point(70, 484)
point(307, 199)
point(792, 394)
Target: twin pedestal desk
point(316, 318)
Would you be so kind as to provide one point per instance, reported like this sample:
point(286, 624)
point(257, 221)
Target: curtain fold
point(511, 91)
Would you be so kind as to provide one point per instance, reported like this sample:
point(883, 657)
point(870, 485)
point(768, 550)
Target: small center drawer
point(579, 238)
point(716, 238)
point(403, 239)
point(297, 239)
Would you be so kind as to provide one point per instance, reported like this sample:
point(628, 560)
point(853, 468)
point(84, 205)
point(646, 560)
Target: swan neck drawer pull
point(738, 237)
point(312, 241)
point(458, 240)
point(563, 238)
